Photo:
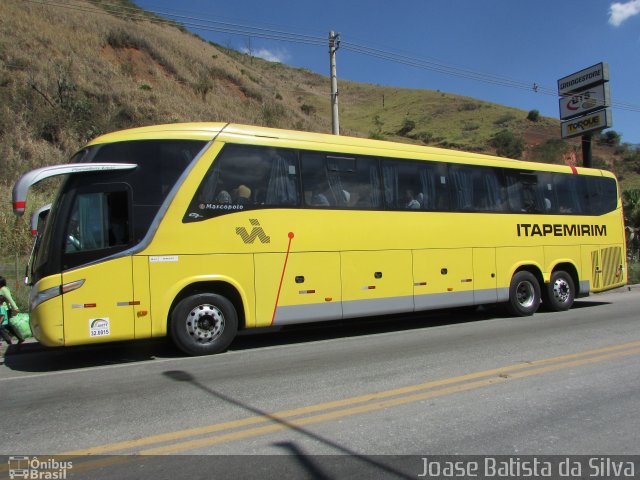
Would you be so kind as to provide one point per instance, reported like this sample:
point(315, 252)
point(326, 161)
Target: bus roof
point(186, 131)
point(229, 132)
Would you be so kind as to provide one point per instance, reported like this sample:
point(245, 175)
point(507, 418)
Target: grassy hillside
point(67, 76)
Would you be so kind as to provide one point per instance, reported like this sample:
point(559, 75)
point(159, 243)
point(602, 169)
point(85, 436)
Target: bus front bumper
point(46, 321)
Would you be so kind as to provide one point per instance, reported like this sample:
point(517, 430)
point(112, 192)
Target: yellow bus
point(199, 230)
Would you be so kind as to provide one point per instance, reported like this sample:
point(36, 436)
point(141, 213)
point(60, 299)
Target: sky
point(510, 52)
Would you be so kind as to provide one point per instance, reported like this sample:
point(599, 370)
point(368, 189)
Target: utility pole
point(587, 157)
point(334, 44)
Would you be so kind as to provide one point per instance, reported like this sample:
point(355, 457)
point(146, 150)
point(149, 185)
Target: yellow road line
point(254, 432)
point(514, 371)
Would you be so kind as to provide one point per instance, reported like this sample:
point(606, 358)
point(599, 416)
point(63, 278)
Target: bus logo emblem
point(256, 231)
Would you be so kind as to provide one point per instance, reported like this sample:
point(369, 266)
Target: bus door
point(98, 297)
point(606, 267)
point(376, 283)
point(443, 277)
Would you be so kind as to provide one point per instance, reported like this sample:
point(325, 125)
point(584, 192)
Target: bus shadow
point(588, 303)
point(34, 358)
point(357, 327)
point(312, 332)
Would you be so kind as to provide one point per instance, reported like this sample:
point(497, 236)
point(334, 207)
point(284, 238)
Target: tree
point(610, 137)
point(533, 115)
point(631, 203)
point(507, 144)
point(407, 126)
point(307, 109)
point(377, 134)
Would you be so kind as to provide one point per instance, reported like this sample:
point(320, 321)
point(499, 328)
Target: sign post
point(585, 100)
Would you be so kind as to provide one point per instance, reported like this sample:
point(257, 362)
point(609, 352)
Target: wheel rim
point(205, 323)
point(561, 290)
point(525, 294)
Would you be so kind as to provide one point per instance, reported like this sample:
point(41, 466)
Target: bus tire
point(524, 294)
point(560, 292)
point(204, 324)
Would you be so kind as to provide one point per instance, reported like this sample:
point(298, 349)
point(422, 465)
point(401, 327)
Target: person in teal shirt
point(7, 305)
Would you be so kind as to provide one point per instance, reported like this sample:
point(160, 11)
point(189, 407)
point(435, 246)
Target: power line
point(465, 73)
point(242, 29)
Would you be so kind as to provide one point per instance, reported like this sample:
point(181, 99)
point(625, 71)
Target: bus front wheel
point(204, 324)
point(560, 292)
point(524, 294)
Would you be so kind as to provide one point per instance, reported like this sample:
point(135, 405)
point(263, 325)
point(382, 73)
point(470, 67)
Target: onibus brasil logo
point(40, 469)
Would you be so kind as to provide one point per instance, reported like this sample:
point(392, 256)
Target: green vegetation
point(610, 137)
point(407, 126)
point(634, 273)
point(533, 115)
point(307, 109)
point(631, 203)
point(377, 134)
point(508, 144)
point(274, 115)
point(505, 120)
point(551, 151)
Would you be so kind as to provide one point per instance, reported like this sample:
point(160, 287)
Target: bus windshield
point(99, 213)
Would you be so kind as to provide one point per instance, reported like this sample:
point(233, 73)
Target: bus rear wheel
point(204, 324)
point(560, 292)
point(524, 294)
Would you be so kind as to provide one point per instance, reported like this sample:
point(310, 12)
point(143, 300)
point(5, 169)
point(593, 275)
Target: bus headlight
point(53, 292)
point(43, 296)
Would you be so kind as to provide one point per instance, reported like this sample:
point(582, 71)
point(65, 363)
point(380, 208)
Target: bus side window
point(523, 193)
point(315, 180)
point(245, 178)
point(98, 220)
point(476, 189)
point(410, 185)
point(331, 180)
point(547, 192)
point(402, 187)
point(603, 194)
point(566, 187)
point(436, 182)
point(494, 192)
point(487, 192)
point(463, 188)
point(281, 186)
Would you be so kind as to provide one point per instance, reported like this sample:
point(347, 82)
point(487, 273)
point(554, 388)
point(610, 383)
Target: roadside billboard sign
point(585, 101)
point(587, 123)
point(595, 74)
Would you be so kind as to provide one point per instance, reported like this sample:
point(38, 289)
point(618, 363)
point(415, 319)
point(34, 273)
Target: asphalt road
point(442, 383)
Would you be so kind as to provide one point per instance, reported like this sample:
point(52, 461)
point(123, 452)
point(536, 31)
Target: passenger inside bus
point(319, 199)
point(411, 200)
point(242, 195)
point(223, 197)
